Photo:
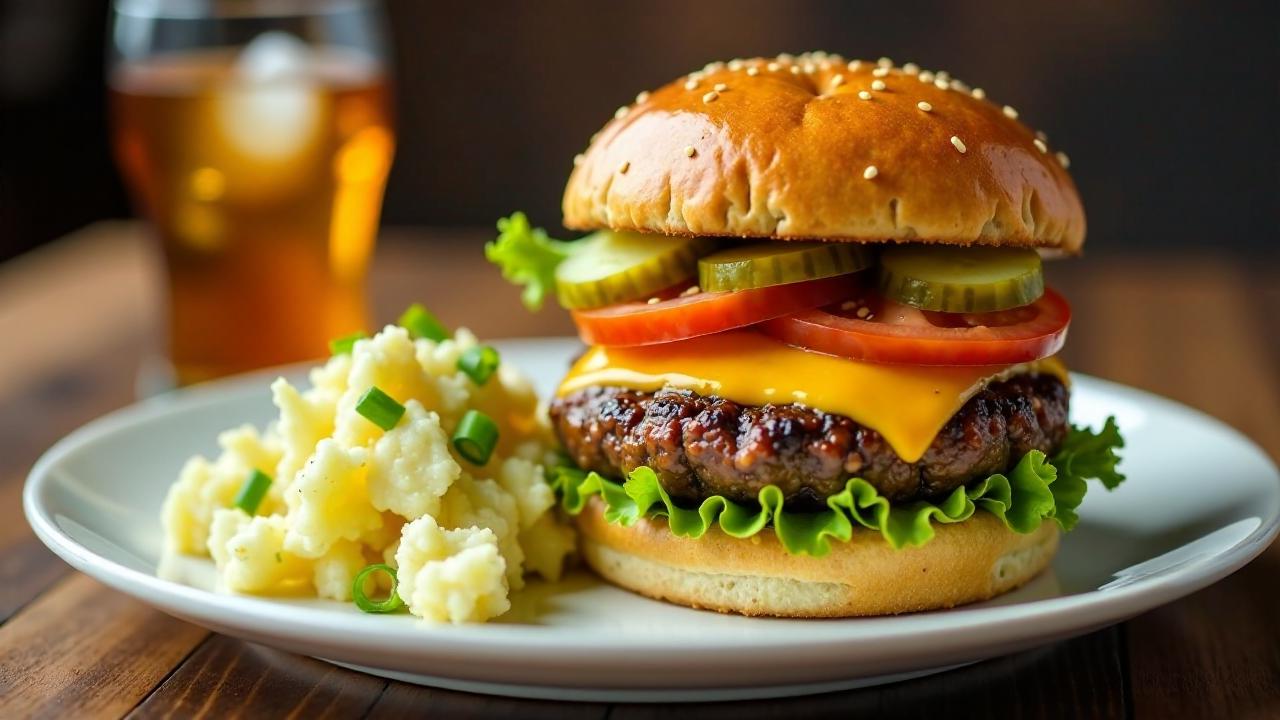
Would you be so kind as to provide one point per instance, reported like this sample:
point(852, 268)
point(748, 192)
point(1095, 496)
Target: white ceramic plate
point(1200, 502)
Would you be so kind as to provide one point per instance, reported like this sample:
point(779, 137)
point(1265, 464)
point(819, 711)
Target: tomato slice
point(889, 332)
point(687, 316)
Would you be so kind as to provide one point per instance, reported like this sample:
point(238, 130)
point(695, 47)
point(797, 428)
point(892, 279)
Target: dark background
point(1168, 110)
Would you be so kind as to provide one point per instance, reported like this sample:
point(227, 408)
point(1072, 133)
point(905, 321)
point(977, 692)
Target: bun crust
point(777, 154)
point(965, 562)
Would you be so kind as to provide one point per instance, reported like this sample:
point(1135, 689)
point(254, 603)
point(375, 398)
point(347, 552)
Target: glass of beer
point(255, 137)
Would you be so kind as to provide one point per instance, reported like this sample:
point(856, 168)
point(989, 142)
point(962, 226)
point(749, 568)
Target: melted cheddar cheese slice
point(907, 404)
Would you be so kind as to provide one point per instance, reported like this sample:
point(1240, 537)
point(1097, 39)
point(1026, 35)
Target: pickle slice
point(961, 279)
point(758, 265)
point(608, 267)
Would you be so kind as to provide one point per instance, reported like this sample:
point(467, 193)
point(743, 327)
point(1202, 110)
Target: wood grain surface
point(78, 319)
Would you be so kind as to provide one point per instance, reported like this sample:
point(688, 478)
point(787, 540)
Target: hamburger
point(820, 375)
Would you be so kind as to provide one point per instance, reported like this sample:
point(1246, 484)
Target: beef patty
point(701, 446)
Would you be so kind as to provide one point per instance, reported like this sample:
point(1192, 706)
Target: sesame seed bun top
point(815, 146)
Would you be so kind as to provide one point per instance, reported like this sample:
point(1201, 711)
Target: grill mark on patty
point(706, 445)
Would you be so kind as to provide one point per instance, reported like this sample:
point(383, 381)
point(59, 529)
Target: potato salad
point(411, 469)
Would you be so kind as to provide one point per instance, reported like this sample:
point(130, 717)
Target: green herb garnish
point(379, 408)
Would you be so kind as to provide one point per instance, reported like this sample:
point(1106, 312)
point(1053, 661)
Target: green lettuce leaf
point(527, 257)
point(1093, 455)
point(1035, 490)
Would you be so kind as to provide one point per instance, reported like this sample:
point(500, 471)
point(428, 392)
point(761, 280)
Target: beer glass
point(255, 137)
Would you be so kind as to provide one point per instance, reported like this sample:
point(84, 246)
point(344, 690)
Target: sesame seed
point(943, 75)
point(690, 151)
point(810, 68)
point(577, 159)
point(848, 305)
point(753, 71)
point(710, 97)
point(824, 65)
point(1041, 134)
point(837, 81)
point(863, 312)
point(884, 62)
point(940, 84)
point(621, 112)
point(691, 85)
point(773, 67)
point(870, 173)
point(652, 301)
point(959, 86)
point(959, 144)
point(1009, 112)
point(712, 67)
point(720, 87)
point(864, 95)
point(926, 107)
point(925, 76)
point(1064, 160)
point(1040, 145)
point(911, 69)
point(795, 69)
point(644, 95)
point(691, 290)
point(880, 72)
point(735, 65)
point(786, 57)
point(855, 65)
point(877, 85)
point(625, 166)
point(979, 94)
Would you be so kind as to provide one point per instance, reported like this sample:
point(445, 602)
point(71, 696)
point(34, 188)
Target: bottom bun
point(965, 562)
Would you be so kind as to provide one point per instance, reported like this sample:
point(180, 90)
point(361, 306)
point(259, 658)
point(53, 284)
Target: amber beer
point(264, 185)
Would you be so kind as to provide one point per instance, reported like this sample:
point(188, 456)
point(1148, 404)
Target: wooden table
point(77, 318)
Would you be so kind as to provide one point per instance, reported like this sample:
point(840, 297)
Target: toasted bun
point(783, 149)
point(965, 562)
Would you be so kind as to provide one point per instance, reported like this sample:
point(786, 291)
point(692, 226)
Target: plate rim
point(1045, 618)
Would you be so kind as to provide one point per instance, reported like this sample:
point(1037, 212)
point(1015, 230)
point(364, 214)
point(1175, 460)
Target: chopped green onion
point(476, 436)
point(479, 362)
point(422, 324)
point(252, 491)
point(379, 408)
point(343, 345)
point(369, 605)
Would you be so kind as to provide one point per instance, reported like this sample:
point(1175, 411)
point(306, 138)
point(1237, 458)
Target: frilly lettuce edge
point(528, 257)
point(1036, 489)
